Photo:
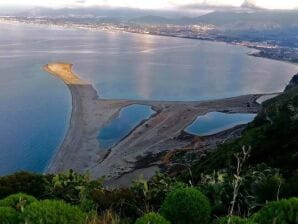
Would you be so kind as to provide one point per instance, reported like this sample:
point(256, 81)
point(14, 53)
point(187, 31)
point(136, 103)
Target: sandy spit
point(81, 151)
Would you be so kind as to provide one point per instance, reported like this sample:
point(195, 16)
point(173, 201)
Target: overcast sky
point(150, 4)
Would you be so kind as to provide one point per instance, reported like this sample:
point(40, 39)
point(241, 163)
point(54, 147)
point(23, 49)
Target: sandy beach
point(81, 151)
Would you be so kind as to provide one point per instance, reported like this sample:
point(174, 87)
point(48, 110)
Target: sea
point(35, 107)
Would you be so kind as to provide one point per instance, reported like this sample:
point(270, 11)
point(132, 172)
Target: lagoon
point(214, 122)
point(129, 118)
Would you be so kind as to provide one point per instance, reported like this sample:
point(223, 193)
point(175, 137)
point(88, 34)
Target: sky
point(150, 4)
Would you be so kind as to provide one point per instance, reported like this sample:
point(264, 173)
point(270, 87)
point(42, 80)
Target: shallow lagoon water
point(129, 117)
point(214, 122)
point(35, 107)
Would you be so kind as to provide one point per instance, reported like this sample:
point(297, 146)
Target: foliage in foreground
point(283, 211)
point(181, 205)
point(51, 211)
point(186, 205)
point(233, 220)
point(29, 183)
point(259, 184)
point(152, 218)
point(8, 215)
point(17, 201)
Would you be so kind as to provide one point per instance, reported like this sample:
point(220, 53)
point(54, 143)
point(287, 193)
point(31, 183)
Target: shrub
point(17, 201)
point(72, 187)
point(263, 182)
point(152, 218)
point(259, 184)
point(186, 205)
point(121, 200)
point(234, 220)
point(53, 212)
point(32, 184)
point(151, 194)
point(290, 188)
point(278, 212)
point(107, 217)
point(8, 216)
point(218, 188)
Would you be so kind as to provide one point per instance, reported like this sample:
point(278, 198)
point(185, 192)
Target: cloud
point(156, 4)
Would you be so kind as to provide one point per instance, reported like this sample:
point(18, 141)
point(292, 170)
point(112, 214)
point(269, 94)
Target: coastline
point(80, 149)
point(72, 120)
point(247, 44)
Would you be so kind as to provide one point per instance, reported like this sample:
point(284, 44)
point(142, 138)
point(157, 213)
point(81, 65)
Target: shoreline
point(210, 39)
point(80, 149)
point(71, 120)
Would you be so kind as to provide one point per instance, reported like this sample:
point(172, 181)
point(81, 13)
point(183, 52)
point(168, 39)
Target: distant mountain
point(88, 12)
point(277, 17)
point(231, 20)
point(97, 12)
point(274, 26)
point(152, 20)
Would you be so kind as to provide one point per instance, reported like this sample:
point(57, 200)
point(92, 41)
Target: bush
point(219, 190)
point(17, 201)
point(107, 217)
point(234, 220)
point(72, 187)
point(32, 184)
point(121, 200)
point(278, 212)
point(8, 216)
point(186, 205)
point(150, 194)
point(259, 184)
point(152, 218)
point(53, 212)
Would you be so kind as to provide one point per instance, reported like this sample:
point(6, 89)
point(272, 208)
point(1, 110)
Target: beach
point(82, 152)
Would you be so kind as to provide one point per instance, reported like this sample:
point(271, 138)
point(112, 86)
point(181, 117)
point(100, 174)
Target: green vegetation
point(152, 218)
point(29, 183)
point(283, 211)
point(51, 212)
point(274, 132)
point(17, 201)
point(233, 220)
point(8, 216)
point(186, 205)
point(250, 180)
point(182, 203)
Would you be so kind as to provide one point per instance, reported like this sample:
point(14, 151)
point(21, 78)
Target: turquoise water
point(214, 122)
point(35, 107)
point(129, 117)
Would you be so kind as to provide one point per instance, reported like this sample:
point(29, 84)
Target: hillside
point(272, 136)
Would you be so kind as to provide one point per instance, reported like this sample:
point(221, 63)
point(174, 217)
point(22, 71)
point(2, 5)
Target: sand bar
point(80, 149)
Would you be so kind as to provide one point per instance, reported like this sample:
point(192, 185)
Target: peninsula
point(161, 133)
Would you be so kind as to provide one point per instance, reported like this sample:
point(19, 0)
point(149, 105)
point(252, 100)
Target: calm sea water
point(214, 122)
point(35, 107)
point(129, 117)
